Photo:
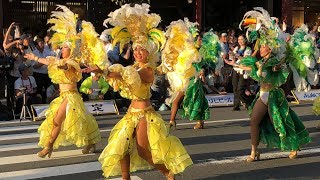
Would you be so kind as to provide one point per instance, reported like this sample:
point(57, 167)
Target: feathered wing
point(302, 57)
point(178, 55)
point(92, 49)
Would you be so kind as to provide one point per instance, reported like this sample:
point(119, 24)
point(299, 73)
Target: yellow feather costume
point(79, 127)
point(178, 55)
point(138, 26)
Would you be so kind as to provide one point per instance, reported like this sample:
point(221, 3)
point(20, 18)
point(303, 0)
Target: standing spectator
point(314, 32)
point(40, 71)
point(26, 84)
point(237, 75)
point(226, 70)
point(106, 39)
point(232, 39)
point(47, 44)
point(25, 40)
point(9, 41)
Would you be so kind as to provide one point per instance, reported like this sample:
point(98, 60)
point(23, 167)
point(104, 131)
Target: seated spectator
point(52, 92)
point(26, 84)
point(248, 92)
point(95, 86)
point(208, 82)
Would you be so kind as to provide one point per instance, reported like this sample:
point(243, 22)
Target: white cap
point(104, 37)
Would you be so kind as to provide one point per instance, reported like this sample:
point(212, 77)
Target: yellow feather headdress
point(64, 25)
point(85, 45)
point(136, 25)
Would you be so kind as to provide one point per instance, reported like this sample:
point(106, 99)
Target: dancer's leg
point(258, 112)
point(57, 122)
point(175, 106)
point(143, 146)
point(125, 167)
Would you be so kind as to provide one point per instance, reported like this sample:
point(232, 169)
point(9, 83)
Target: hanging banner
point(94, 107)
point(220, 100)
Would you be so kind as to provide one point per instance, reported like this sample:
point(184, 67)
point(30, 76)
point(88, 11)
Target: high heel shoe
point(91, 148)
point(170, 176)
point(255, 158)
point(173, 124)
point(199, 125)
point(43, 155)
point(293, 154)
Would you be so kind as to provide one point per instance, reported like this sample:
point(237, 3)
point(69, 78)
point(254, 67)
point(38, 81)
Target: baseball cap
point(224, 34)
point(23, 36)
point(23, 67)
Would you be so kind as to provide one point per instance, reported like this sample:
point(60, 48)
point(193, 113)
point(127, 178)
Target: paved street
point(218, 151)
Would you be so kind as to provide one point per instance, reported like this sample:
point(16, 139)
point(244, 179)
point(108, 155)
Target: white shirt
point(19, 83)
point(108, 47)
point(44, 68)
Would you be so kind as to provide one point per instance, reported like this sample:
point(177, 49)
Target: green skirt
point(195, 105)
point(281, 127)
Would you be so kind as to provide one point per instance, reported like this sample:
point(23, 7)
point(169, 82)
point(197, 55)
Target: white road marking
point(29, 135)
point(217, 121)
point(22, 146)
point(18, 128)
point(270, 155)
point(34, 158)
point(55, 171)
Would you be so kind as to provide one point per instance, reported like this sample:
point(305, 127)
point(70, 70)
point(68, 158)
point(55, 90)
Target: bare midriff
point(266, 87)
point(140, 104)
point(67, 87)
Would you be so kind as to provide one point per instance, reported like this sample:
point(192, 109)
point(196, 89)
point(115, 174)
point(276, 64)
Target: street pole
point(199, 13)
point(286, 12)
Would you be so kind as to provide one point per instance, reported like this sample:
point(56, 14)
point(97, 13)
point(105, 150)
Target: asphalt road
point(218, 151)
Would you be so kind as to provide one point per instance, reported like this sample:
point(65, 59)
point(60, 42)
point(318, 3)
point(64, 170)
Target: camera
point(6, 63)
point(22, 89)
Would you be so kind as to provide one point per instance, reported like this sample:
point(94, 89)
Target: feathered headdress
point(64, 25)
point(136, 25)
point(85, 45)
point(210, 49)
point(260, 25)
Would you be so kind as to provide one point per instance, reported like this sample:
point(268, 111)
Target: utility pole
point(198, 13)
point(286, 12)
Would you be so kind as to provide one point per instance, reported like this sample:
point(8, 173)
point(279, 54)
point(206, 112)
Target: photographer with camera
point(26, 85)
point(10, 38)
point(40, 71)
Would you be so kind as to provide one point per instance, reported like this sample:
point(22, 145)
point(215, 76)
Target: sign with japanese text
point(220, 100)
point(306, 96)
point(94, 107)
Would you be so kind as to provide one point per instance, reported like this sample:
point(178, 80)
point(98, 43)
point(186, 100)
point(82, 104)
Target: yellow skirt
point(165, 149)
point(79, 127)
